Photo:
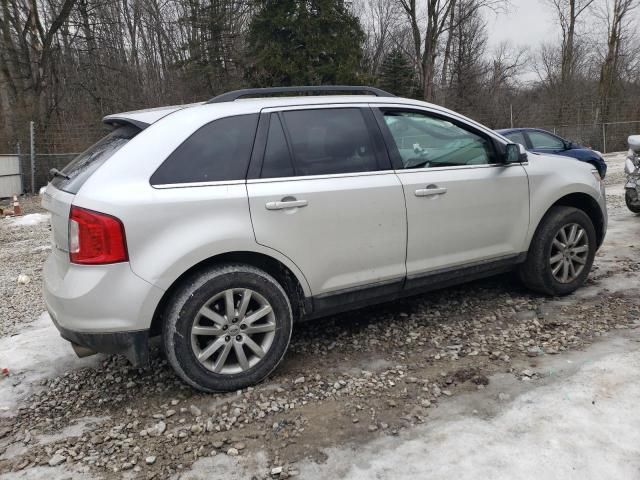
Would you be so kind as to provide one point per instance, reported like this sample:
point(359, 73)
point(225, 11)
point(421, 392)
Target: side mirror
point(515, 153)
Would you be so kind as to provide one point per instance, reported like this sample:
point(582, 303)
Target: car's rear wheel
point(632, 200)
point(561, 253)
point(227, 328)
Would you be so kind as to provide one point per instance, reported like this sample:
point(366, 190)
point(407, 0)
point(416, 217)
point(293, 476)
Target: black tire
point(632, 200)
point(194, 294)
point(536, 272)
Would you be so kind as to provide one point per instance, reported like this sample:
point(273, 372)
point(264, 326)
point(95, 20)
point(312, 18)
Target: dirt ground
point(353, 389)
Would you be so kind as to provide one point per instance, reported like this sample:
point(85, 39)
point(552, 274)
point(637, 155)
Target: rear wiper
point(54, 172)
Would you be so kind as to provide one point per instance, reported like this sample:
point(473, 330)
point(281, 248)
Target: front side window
point(425, 141)
point(517, 137)
point(218, 151)
point(545, 140)
point(330, 141)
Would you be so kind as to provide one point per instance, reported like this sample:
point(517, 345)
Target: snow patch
point(229, 468)
point(49, 473)
point(29, 220)
point(586, 426)
point(38, 352)
point(79, 427)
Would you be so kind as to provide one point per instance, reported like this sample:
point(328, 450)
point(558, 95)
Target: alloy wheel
point(233, 331)
point(569, 253)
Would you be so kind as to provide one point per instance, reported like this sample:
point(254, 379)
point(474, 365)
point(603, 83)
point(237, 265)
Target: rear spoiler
point(116, 122)
point(143, 118)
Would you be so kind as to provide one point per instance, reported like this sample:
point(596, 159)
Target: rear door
point(326, 197)
point(463, 206)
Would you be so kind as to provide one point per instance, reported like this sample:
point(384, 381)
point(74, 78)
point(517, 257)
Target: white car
point(219, 225)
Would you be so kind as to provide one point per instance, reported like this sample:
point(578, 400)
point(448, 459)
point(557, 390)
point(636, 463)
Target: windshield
point(80, 168)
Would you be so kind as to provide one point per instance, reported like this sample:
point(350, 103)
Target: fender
point(552, 178)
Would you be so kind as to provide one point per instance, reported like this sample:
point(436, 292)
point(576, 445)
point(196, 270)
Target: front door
point(327, 198)
point(463, 206)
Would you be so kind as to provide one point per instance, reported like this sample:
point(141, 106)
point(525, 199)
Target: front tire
point(561, 252)
point(632, 200)
point(227, 328)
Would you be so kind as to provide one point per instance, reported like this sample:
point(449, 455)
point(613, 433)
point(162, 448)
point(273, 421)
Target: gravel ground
point(23, 250)
point(373, 372)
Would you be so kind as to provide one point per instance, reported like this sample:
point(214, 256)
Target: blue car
point(537, 140)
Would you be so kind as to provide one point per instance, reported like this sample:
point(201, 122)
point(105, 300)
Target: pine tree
point(397, 76)
point(302, 42)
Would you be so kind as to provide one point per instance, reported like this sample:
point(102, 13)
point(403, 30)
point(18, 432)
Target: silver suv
point(218, 225)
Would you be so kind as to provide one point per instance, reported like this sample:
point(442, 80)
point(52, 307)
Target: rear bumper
point(135, 345)
point(105, 308)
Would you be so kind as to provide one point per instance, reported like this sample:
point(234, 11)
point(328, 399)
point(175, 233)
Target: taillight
point(95, 238)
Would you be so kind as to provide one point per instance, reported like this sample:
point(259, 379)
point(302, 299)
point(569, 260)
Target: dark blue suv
point(537, 140)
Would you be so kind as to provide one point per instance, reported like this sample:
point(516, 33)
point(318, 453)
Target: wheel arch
point(284, 275)
point(586, 203)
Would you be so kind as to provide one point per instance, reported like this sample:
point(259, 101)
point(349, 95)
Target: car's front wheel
point(561, 253)
point(632, 200)
point(227, 328)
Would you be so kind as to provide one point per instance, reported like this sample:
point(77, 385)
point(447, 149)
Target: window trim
point(255, 168)
point(162, 186)
point(394, 153)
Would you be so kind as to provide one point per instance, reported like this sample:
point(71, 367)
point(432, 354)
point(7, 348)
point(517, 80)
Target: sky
point(527, 23)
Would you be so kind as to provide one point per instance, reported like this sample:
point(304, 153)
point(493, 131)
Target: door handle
point(430, 191)
point(286, 204)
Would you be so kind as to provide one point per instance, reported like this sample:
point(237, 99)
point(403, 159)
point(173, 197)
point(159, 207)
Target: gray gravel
point(23, 250)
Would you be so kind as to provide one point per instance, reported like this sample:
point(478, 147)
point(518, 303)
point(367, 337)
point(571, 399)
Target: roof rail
point(262, 92)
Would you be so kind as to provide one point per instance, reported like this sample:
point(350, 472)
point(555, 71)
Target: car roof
point(146, 117)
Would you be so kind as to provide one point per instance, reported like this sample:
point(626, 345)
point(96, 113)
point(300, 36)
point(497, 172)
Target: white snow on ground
point(225, 467)
point(48, 473)
point(36, 353)
point(29, 220)
point(585, 426)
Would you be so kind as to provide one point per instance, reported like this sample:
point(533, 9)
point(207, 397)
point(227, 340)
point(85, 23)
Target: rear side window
point(330, 141)
point(218, 151)
point(81, 167)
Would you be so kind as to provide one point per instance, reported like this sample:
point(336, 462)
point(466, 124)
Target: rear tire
point(227, 328)
point(556, 263)
point(632, 200)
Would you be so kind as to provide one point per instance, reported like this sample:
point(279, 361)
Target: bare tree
point(27, 49)
point(439, 21)
point(617, 16)
point(569, 12)
point(380, 20)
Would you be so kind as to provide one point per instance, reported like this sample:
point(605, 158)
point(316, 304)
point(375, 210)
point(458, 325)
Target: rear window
point(81, 167)
point(218, 151)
